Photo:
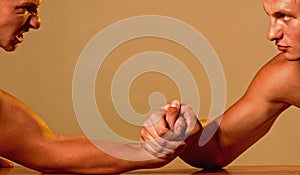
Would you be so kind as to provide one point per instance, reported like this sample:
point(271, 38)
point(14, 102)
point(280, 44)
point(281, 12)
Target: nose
point(275, 31)
point(35, 21)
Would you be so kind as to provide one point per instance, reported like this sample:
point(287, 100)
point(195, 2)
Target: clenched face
point(16, 18)
point(285, 26)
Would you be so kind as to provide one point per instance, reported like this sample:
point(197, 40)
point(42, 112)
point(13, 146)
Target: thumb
point(172, 113)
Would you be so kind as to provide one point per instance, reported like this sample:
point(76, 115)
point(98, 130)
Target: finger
point(145, 135)
point(180, 128)
point(150, 149)
point(155, 149)
point(172, 113)
point(174, 153)
point(168, 144)
point(5, 163)
point(153, 139)
point(160, 128)
point(160, 144)
point(190, 118)
point(178, 133)
point(162, 149)
point(155, 126)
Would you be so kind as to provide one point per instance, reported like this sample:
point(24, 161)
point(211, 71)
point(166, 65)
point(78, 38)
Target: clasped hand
point(165, 133)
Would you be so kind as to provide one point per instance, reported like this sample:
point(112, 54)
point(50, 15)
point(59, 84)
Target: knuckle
point(162, 142)
point(161, 131)
point(143, 133)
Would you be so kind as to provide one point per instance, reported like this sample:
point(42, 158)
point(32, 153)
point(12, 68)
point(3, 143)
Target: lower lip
point(16, 41)
point(282, 48)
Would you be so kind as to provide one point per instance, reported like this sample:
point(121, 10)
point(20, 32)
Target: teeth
point(20, 37)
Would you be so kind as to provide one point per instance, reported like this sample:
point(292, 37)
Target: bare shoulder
point(2, 93)
point(278, 81)
point(1, 98)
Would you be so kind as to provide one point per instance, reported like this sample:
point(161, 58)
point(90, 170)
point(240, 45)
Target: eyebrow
point(31, 3)
point(283, 12)
point(279, 13)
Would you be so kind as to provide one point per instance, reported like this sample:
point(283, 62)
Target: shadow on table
point(159, 171)
point(179, 171)
point(212, 172)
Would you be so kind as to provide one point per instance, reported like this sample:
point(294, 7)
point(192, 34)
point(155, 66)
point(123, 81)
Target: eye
point(287, 17)
point(24, 10)
point(283, 15)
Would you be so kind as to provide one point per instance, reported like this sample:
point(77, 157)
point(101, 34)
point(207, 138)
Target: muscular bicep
point(252, 116)
point(271, 91)
point(248, 120)
point(21, 130)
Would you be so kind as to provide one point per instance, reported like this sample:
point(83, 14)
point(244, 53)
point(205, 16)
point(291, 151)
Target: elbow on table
point(218, 163)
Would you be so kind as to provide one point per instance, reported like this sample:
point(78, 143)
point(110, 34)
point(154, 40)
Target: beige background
point(40, 72)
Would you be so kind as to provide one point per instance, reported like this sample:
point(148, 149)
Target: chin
point(10, 48)
point(292, 57)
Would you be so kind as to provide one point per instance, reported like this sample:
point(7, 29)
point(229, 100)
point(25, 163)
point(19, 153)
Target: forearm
point(209, 155)
point(227, 142)
point(79, 155)
point(76, 154)
point(240, 127)
point(27, 140)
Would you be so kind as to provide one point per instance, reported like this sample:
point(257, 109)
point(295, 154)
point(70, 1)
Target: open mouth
point(20, 37)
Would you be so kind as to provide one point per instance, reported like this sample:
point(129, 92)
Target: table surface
point(185, 170)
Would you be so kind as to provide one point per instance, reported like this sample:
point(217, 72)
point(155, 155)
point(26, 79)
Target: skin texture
point(25, 137)
point(27, 140)
point(275, 88)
